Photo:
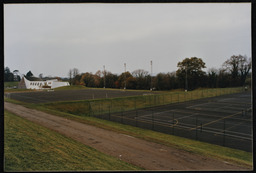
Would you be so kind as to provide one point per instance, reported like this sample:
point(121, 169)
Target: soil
point(145, 154)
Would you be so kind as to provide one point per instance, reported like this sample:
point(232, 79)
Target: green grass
point(30, 147)
point(10, 84)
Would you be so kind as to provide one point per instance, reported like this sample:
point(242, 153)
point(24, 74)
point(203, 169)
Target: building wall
point(44, 84)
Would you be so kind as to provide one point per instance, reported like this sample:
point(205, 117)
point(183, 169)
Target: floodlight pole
point(104, 76)
point(151, 76)
point(124, 75)
point(186, 80)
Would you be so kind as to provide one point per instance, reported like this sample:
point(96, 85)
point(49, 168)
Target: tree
point(212, 77)
point(16, 76)
point(239, 67)
point(122, 79)
point(70, 76)
point(142, 79)
point(8, 75)
point(224, 79)
point(41, 76)
point(190, 72)
point(72, 73)
point(88, 79)
point(140, 73)
point(110, 79)
point(97, 79)
point(244, 68)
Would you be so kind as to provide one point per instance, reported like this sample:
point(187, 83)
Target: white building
point(48, 84)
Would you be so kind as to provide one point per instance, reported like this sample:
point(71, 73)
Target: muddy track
point(148, 155)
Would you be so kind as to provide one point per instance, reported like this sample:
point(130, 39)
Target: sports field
point(207, 115)
point(71, 95)
point(224, 120)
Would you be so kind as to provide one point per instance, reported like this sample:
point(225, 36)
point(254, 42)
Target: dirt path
point(148, 155)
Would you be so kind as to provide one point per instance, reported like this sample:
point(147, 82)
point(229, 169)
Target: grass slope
point(30, 147)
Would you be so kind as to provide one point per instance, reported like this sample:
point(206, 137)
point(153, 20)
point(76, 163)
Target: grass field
point(10, 84)
point(30, 147)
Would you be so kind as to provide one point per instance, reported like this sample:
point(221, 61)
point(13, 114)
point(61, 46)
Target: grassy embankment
point(205, 149)
point(30, 147)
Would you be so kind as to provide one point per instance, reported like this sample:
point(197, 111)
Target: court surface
point(224, 120)
point(72, 95)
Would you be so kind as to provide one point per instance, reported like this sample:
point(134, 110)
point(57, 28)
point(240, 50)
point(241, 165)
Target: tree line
point(234, 72)
point(16, 76)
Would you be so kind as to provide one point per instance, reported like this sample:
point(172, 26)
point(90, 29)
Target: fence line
point(121, 109)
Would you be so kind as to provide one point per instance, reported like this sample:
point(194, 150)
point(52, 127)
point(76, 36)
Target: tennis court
point(224, 120)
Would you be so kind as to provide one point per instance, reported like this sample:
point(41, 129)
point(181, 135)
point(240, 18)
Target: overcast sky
point(54, 38)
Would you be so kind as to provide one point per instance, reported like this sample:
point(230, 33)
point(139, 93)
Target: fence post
point(196, 127)
point(109, 112)
point(99, 109)
point(224, 124)
point(122, 111)
point(173, 123)
point(152, 107)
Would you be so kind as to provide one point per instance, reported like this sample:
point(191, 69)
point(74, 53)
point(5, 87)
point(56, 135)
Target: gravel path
point(148, 155)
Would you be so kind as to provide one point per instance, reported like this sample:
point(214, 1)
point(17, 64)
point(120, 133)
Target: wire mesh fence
point(196, 115)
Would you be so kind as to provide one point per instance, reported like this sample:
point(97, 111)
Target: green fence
point(113, 105)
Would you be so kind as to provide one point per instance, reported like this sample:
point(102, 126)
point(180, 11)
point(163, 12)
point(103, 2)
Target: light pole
point(104, 76)
point(186, 82)
point(151, 76)
point(124, 75)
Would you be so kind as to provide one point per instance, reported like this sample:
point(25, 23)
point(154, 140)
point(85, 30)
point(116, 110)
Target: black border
point(253, 33)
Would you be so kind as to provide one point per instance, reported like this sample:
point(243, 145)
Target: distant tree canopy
point(235, 71)
point(239, 66)
point(8, 75)
point(190, 73)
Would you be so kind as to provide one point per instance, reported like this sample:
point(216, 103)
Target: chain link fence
point(157, 112)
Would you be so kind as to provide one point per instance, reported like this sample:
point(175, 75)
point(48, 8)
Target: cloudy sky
point(54, 38)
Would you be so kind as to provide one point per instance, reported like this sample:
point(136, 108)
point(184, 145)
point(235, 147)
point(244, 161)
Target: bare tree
point(140, 73)
point(70, 76)
point(75, 72)
point(239, 66)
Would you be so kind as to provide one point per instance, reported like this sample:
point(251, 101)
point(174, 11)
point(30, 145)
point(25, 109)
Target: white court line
point(217, 108)
point(187, 116)
point(197, 105)
point(157, 113)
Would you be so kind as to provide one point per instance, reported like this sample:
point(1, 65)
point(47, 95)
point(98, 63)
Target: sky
point(53, 38)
